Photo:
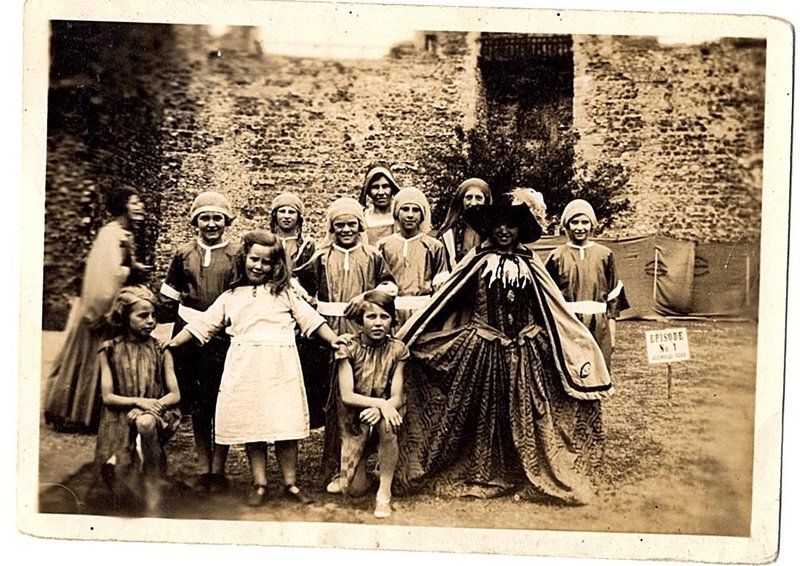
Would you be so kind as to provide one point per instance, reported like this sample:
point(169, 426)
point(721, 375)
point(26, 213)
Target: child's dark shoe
point(294, 492)
point(258, 496)
point(203, 483)
point(217, 483)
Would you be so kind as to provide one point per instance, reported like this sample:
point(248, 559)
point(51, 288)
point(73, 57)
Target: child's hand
point(134, 414)
point(371, 416)
point(354, 306)
point(151, 405)
point(391, 418)
point(341, 340)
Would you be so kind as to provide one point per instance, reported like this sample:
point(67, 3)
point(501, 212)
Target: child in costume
point(199, 272)
point(587, 277)
point(140, 397)
point(262, 399)
point(506, 382)
point(286, 222)
point(456, 235)
point(417, 260)
point(376, 197)
point(336, 278)
point(369, 401)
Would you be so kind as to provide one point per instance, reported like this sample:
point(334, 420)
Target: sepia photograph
point(414, 278)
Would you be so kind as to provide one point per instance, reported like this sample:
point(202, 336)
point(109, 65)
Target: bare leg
point(151, 451)
point(202, 442)
point(257, 455)
point(387, 460)
point(286, 453)
point(151, 447)
point(360, 484)
point(219, 458)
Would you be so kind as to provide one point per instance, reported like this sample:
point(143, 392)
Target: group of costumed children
point(474, 367)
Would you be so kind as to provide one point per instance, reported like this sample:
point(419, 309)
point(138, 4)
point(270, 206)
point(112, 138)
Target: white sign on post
point(667, 346)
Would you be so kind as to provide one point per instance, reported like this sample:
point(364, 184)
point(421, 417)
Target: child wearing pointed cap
point(417, 260)
point(587, 277)
point(199, 272)
point(379, 189)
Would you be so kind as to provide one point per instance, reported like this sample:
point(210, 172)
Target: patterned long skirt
point(487, 415)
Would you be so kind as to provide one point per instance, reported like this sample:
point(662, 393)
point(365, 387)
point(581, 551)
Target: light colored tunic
point(335, 275)
point(418, 264)
point(377, 225)
point(261, 396)
point(587, 278)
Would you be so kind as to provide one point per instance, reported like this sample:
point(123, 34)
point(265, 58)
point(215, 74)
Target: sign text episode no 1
point(666, 347)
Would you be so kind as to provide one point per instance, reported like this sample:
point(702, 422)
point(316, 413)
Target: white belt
point(587, 307)
point(411, 302)
point(331, 309)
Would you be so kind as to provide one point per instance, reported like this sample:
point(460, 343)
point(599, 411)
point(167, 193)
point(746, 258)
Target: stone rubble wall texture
point(686, 121)
point(176, 111)
point(257, 125)
point(105, 108)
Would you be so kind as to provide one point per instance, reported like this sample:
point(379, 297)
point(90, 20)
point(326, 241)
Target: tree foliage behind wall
point(509, 161)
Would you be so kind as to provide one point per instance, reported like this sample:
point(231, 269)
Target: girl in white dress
point(262, 398)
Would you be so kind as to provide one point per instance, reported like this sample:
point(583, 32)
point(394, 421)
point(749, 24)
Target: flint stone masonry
point(174, 111)
point(686, 121)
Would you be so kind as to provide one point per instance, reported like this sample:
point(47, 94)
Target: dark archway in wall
point(528, 86)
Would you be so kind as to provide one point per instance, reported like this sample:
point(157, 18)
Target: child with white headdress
point(585, 273)
point(200, 271)
point(376, 197)
point(336, 277)
point(418, 261)
point(286, 222)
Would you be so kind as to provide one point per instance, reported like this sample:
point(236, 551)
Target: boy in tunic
point(200, 271)
point(417, 260)
point(585, 274)
point(336, 277)
point(380, 186)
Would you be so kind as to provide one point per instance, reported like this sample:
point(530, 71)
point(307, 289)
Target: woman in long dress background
point(73, 386)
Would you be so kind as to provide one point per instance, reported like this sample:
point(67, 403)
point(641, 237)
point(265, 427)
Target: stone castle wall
point(174, 110)
point(686, 122)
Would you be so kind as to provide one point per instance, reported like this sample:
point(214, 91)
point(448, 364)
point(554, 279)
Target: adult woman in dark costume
point(504, 383)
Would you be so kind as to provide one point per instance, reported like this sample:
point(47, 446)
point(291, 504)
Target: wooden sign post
point(666, 347)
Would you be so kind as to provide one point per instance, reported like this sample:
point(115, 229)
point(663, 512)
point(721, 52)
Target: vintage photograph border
point(772, 313)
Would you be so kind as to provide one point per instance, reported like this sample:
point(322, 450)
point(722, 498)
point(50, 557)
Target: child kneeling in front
point(370, 400)
point(140, 397)
point(262, 399)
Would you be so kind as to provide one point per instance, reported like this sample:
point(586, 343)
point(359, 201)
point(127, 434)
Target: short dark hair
point(117, 199)
point(383, 300)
